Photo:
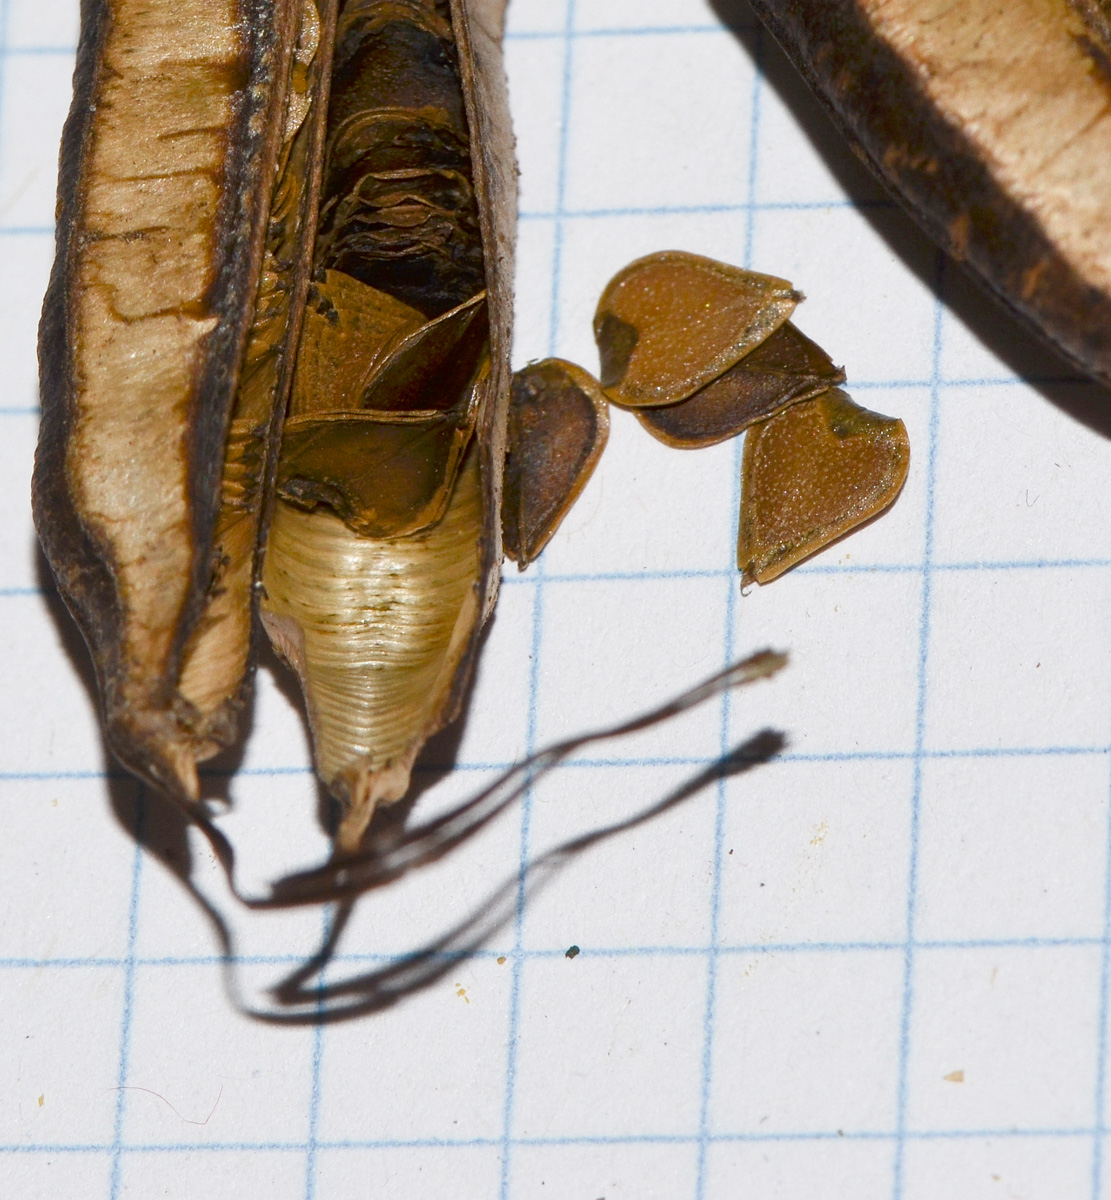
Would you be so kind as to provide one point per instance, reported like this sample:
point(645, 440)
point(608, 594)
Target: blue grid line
point(1102, 1019)
point(977, 383)
point(517, 960)
point(36, 51)
point(5, 18)
point(552, 35)
point(316, 1070)
point(741, 949)
point(517, 953)
point(523, 35)
point(818, 568)
point(944, 383)
point(907, 1014)
point(44, 776)
point(724, 743)
point(948, 382)
point(650, 575)
point(654, 761)
point(702, 1136)
point(126, 1009)
point(619, 763)
point(1007, 1133)
point(797, 756)
point(510, 36)
point(697, 210)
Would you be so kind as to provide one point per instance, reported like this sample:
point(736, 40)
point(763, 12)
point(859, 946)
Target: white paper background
point(780, 980)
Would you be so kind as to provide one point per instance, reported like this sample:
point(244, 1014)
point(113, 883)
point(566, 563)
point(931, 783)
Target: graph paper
point(876, 967)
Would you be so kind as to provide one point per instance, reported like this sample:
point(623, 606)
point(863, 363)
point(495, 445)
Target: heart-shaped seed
point(812, 473)
point(672, 322)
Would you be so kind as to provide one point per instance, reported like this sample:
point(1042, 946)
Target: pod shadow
point(160, 825)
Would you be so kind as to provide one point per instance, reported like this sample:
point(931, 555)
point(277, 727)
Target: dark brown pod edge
point(932, 164)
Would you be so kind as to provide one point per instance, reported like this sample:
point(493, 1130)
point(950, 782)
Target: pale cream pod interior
point(375, 629)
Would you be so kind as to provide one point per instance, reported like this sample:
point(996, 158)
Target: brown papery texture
point(186, 200)
point(168, 161)
point(214, 677)
point(991, 122)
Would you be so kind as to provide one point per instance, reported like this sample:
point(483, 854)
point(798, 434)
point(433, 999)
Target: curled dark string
point(344, 879)
point(349, 876)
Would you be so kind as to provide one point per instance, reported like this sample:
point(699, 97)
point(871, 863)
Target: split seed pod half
point(992, 124)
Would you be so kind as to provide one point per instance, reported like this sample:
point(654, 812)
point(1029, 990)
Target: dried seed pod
point(189, 200)
point(382, 556)
point(275, 374)
point(990, 122)
point(186, 186)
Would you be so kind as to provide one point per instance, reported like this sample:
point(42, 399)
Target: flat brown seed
point(433, 364)
point(349, 331)
point(668, 324)
point(785, 369)
point(384, 474)
point(811, 474)
point(558, 425)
